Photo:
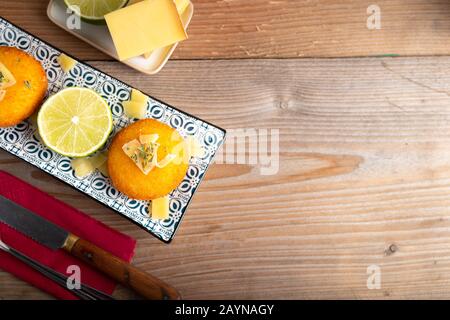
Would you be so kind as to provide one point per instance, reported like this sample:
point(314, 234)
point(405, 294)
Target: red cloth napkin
point(72, 220)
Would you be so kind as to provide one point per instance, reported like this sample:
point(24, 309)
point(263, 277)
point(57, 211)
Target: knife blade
point(56, 237)
point(32, 225)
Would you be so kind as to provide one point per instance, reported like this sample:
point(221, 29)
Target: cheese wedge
point(135, 109)
point(144, 27)
point(66, 62)
point(160, 208)
point(181, 7)
point(6, 78)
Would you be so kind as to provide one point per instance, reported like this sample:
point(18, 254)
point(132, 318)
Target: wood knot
point(391, 250)
point(284, 104)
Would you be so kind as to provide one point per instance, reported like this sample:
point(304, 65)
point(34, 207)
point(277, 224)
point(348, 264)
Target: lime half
point(94, 10)
point(75, 122)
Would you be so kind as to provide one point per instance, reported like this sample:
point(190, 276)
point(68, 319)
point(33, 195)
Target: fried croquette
point(25, 96)
point(128, 178)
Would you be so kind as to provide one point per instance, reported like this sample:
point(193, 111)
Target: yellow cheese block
point(168, 159)
point(138, 96)
point(99, 159)
point(148, 138)
point(181, 7)
point(195, 149)
point(82, 167)
point(135, 109)
point(85, 166)
point(104, 169)
point(144, 27)
point(33, 121)
point(160, 208)
point(66, 62)
point(181, 4)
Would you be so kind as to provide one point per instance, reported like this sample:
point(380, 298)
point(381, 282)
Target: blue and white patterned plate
point(22, 142)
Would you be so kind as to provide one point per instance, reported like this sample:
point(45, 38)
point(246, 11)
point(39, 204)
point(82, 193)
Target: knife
point(55, 237)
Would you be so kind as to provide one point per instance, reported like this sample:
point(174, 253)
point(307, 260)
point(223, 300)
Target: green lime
point(75, 122)
point(94, 10)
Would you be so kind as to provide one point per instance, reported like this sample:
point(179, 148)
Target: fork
point(84, 293)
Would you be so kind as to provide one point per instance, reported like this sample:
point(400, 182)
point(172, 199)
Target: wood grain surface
point(364, 179)
point(234, 29)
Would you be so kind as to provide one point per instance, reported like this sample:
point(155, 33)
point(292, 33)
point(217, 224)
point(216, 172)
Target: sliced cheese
point(144, 153)
point(6, 77)
point(99, 159)
point(180, 4)
point(181, 7)
point(131, 147)
point(82, 167)
point(148, 138)
point(144, 27)
point(138, 96)
point(195, 149)
point(104, 169)
point(66, 62)
point(85, 166)
point(135, 109)
point(33, 121)
point(145, 156)
point(181, 150)
point(164, 162)
point(160, 208)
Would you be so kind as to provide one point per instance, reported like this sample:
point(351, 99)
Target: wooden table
point(364, 174)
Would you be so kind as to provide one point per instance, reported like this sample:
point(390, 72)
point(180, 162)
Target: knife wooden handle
point(141, 282)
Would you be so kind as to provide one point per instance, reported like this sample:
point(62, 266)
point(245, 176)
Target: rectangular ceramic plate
point(22, 142)
point(99, 37)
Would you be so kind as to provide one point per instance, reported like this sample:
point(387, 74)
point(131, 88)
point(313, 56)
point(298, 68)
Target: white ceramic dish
point(99, 37)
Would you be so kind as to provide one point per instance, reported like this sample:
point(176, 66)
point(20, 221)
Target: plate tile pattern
point(23, 141)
